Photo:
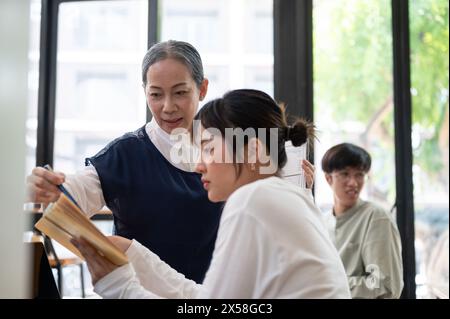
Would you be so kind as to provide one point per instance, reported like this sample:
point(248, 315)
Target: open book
point(63, 220)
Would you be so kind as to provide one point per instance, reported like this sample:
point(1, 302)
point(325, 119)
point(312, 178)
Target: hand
point(122, 243)
point(308, 169)
point(41, 185)
point(97, 264)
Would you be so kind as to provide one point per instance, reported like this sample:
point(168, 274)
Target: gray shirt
point(369, 244)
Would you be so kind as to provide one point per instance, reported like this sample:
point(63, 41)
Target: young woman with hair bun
point(271, 241)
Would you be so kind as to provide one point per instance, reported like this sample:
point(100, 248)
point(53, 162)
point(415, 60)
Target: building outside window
point(99, 95)
point(234, 38)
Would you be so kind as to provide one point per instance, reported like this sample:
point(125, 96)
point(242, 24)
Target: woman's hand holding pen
point(42, 185)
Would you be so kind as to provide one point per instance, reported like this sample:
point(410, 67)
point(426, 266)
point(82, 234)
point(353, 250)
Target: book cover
point(63, 220)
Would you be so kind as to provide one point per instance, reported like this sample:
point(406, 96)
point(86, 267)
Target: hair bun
point(299, 133)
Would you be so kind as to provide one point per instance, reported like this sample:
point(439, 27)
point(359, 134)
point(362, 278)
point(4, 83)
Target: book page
point(63, 220)
point(56, 233)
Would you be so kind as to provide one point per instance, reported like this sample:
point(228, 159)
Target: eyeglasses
point(345, 176)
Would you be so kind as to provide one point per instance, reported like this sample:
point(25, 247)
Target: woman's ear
point(329, 178)
point(203, 89)
point(251, 153)
point(252, 150)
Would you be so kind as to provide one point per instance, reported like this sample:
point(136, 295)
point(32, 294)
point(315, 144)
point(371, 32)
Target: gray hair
point(178, 50)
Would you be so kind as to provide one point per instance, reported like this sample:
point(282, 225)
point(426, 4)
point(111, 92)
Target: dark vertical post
point(153, 32)
point(293, 56)
point(47, 82)
point(403, 148)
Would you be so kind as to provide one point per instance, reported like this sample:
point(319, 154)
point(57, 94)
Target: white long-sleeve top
point(271, 244)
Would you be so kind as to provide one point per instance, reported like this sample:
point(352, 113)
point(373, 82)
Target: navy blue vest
point(164, 208)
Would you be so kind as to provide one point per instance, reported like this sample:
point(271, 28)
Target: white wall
point(14, 29)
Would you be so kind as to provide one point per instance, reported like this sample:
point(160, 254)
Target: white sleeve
point(122, 283)
point(86, 189)
point(149, 277)
point(242, 258)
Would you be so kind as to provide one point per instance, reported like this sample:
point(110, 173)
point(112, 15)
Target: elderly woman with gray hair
point(153, 199)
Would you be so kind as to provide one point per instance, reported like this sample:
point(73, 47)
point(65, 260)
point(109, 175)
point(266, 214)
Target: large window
point(429, 81)
point(234, 38)
point(353, 94)
point(353, 90)
point(99, 95)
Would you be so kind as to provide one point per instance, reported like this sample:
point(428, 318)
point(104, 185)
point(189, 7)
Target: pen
point(61, 187)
